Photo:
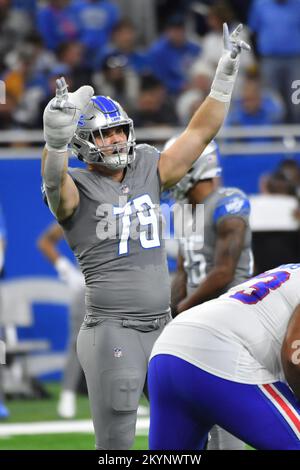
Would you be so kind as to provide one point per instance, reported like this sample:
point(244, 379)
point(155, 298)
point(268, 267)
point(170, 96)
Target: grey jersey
point(198, 250)
point(115, 234)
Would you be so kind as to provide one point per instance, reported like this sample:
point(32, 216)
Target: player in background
point(111, 218)
point(217, 257)
point(72, 277)
point(233, 361)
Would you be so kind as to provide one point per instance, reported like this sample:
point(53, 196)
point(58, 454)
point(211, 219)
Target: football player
point(110, 215)
point(232, 361)
point(217, 258)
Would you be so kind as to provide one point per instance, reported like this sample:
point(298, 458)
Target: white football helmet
point(207, 166)
point(104, 113)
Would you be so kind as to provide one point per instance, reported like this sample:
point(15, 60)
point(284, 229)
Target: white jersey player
point(233, 361)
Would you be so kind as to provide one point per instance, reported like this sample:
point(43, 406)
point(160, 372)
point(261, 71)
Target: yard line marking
point(59, 427)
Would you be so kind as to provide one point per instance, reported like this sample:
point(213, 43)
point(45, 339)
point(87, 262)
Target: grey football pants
point(223, 440)
point(114, 355)
point(72, 369)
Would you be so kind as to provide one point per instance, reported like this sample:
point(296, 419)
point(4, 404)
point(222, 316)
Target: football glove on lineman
point(62, 114)
point(228, 65)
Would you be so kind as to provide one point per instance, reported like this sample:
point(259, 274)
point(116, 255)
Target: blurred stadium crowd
point(120, 47)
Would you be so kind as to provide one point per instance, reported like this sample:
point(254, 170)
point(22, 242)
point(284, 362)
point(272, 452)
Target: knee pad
point(123, 389)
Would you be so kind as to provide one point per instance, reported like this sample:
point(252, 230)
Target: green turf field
point(34, 411)
point(78, 441)
point(27, 410)
point(31, 411)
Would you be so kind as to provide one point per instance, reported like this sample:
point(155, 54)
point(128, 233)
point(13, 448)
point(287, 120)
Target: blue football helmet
point(104, 113)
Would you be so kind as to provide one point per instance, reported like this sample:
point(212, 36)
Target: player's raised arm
point(60, 121)
point(206, 122)
point(290, 353)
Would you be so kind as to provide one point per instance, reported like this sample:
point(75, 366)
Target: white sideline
point(58, 427)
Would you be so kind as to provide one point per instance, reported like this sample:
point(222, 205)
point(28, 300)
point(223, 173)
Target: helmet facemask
point(102, 114)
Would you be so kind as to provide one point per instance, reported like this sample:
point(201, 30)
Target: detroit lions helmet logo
point(81, 121)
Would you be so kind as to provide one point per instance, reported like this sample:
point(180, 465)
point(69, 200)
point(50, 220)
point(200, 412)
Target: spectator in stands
point(220, 12)
point(276, 25)
point(284, 180)
point(123, 41)
point(26, 80)
point(154, 109)
point(96, 19)
point(4, 413)
point(15, 25)
point(241, 9)
point(256, 106)
point(44, 59)
point(57, 22)
point(6, 112)
point(277, 183)
point(32, 61)
point(200, 76)
point(187, 104)
point(72, 277)
point(72, 55)
point(144, 19)
point(117, 80)
point(171, 56)
point(16, 78)
point(29, 112)
point(290, 168)
point(165, 9)
point(29, 6)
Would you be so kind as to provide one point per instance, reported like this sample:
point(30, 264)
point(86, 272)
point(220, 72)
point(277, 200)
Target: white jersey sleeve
point(239, 335)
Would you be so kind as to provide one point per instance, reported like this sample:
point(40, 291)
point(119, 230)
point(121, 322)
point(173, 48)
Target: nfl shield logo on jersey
point(118, 352)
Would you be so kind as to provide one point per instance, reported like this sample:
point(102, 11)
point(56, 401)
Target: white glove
point(228, 65)
point(62, 113)
point(69, 274)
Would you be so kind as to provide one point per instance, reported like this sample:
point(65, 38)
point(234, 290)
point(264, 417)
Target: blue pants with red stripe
point(186, 401)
